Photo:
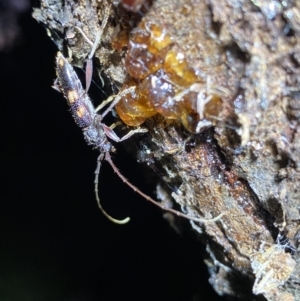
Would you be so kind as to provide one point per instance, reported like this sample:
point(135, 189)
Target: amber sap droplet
point(161, 93)
point(125, 109)
point(127, 118)
point(160, 40)
point(140, 35)
point(163, 80)
point(133, 108)
point(146, 50)
point(179, 71)
point(139, 62)
point(213, 108)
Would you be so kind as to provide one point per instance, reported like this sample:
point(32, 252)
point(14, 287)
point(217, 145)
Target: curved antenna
point(148, 198)
point(97, 172)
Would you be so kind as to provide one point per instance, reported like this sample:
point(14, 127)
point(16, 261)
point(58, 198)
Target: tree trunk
point(223, 76)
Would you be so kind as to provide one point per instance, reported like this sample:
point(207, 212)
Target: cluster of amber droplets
point(164, 82)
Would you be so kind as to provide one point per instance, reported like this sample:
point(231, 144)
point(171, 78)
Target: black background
point(55, 243)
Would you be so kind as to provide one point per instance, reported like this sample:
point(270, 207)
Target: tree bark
point(245, 163)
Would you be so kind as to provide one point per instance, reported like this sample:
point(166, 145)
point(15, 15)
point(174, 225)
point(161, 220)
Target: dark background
point(55, 243)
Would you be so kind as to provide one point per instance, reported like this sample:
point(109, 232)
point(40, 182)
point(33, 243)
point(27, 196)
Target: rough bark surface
point(247, 164)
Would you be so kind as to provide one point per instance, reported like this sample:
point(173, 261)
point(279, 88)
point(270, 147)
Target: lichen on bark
point(246, 164)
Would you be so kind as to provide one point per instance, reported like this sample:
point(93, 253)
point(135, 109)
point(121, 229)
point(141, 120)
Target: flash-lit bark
point(246, 163)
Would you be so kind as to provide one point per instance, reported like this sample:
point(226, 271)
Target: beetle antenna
point(148, 198)
point(97, 172)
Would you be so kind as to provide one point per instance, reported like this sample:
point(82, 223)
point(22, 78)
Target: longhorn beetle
point(96, 133)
